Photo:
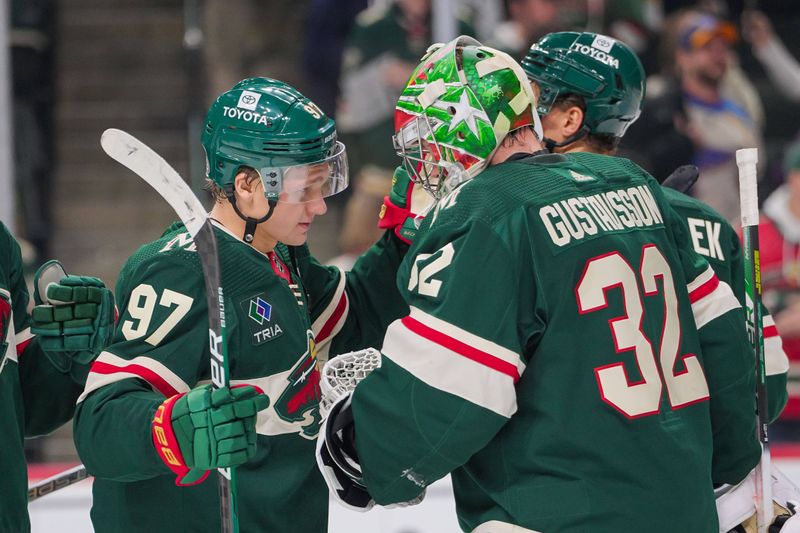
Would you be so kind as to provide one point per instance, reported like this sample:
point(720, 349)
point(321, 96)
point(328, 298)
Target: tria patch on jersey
point(259, 314)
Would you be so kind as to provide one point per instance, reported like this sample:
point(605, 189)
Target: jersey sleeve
point(159, 350)
point(351, 310)
point(776, 363)
point(728, 359)
point(447, 381)
point(726, 258)
point(48, 395)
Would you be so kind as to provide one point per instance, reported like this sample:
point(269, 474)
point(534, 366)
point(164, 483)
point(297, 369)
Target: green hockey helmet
point(269, 126)
point(603, 70)
point(461, 101)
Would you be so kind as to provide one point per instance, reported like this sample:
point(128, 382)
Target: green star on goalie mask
point(461, 101)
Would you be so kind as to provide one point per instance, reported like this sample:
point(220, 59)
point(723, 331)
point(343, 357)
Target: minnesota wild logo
point(299, 401)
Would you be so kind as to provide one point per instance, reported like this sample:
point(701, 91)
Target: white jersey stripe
point(24, 336)
point(109, 368)
point(471, 339)
point(700, 280)
point(449, 371)
point(775, 359)
point(710, 298)
point(331, 320)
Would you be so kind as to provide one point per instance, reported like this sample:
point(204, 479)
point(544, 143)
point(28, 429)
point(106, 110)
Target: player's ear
point(245, 185)
point(573, 120)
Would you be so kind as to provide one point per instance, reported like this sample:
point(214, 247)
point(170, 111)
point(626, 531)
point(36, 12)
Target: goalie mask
point(269, 126)
point(604, 71)
point(461, 101)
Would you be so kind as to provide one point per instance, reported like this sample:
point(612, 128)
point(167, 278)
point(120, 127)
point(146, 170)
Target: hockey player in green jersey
point(586, 106)
point(567, 356)
point(273, 159)
point(38, 386)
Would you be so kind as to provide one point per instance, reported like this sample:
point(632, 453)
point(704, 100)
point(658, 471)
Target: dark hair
point(514, 138)
point(604, 143)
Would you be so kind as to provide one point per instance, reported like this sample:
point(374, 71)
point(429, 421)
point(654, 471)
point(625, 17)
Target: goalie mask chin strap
point(250, 223)
point(550, 144)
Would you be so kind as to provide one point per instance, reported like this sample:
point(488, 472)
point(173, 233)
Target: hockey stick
point(682, 178)
point(152, 168)
point(56, 482)
point(746, 159)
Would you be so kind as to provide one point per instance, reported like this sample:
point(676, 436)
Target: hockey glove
point(337, 458)
point(73, 316)
point(682, 178)
point(405, 207)
point(205, 429)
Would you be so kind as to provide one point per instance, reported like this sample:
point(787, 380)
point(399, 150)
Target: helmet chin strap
point(250, 223)
point(550, 144)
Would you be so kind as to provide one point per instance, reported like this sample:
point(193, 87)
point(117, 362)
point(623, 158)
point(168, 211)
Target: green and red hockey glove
point(204, 429)
point(405, 207)
point(74, 316)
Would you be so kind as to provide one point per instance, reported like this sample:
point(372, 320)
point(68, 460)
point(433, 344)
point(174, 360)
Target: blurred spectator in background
point(783, 69)
point(31, 36)
point(527, 21)
point(779, 236)
point(382, 50)
point(250, 38)
point(637, 23)
point(700, 110)
point(328, 24)
point(483, 15)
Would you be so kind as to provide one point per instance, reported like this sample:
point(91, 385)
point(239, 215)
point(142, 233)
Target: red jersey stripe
point(704, 290)
point(465, 350)
point(155, 381)
point(22, 345)
point(333, 320)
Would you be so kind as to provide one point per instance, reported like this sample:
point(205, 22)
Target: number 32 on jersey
point(642, 398)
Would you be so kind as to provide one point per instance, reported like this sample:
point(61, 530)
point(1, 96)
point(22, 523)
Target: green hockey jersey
point(35, 398)
point(277, 322)
point(567, 356)
point(713, 237)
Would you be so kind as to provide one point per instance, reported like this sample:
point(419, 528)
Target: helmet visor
point(299, 184)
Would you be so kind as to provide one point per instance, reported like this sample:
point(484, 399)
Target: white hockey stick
point(152, 168)
point(748, 197)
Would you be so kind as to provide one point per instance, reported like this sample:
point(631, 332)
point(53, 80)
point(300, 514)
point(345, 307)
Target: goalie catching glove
point(203, 429)
point(73, 316)
point(405, 207)
point(336, 454)
point(337, 457)
point(338, 460)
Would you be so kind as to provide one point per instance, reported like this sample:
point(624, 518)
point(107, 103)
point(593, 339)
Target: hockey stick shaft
point(59, 481)
point(746, 159)
point(152, 168)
